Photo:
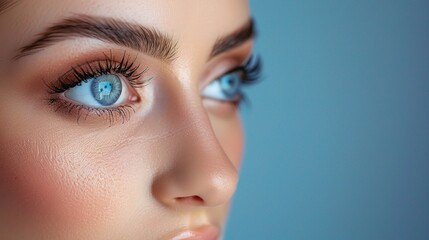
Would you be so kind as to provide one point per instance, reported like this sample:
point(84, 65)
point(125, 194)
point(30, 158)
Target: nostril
point(192, 200)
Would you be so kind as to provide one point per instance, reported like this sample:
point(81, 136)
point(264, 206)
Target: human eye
point(229, 87)
point(106, 88)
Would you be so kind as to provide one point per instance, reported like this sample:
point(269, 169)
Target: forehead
point(191, 22)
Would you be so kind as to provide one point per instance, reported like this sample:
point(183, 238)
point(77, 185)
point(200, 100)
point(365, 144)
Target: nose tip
point(211, 186)
point(223, 188)
point(215, 189)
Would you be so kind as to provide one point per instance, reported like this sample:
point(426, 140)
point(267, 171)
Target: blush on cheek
point(35, 186)
point(48, 189)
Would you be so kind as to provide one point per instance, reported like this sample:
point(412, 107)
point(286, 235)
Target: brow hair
point(246, 32)
point(148, 40)
point(6, 4)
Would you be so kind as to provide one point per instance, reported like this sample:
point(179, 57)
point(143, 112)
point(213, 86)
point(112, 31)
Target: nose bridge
point(199, 172)
point(201, 153)
point(201, 148)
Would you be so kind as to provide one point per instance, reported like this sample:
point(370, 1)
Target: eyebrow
point(233, 40)
point(6, 4)
point(135, 36)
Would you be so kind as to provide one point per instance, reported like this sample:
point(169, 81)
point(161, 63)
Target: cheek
point(56, 187)
point(63, 178)
point(33, 182)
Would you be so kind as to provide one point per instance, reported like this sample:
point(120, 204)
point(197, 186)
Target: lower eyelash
point(111, 115)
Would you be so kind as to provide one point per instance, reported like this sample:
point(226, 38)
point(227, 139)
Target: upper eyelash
point(82, 73)
point(252, 70)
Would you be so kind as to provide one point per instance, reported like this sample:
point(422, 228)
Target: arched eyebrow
point(234, 39)
point(147, 40)
point(135, 36)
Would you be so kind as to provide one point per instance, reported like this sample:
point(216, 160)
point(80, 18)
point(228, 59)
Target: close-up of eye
point(230, 86)
point(102, 87)
point(226, 88)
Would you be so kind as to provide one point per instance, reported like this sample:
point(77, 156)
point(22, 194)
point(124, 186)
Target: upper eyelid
point(241, 67)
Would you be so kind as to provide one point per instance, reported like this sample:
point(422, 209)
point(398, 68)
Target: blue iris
point(225, 88)
point(104, 90)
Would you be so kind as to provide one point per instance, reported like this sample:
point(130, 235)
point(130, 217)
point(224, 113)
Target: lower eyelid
point(221, 108)
point(120, 112)
point(78, 113)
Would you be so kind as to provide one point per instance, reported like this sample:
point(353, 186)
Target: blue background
point(337, 134)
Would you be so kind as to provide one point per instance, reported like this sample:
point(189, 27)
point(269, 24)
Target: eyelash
point(126, 67)
point(252, 70)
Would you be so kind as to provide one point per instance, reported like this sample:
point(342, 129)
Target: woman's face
point(119, 119)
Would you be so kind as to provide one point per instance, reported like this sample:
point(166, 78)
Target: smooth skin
point(174, 165)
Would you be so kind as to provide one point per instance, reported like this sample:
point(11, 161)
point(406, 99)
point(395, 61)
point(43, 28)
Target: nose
point(199, 173)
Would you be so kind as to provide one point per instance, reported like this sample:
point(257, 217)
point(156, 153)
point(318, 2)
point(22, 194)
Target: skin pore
point(168, 161)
